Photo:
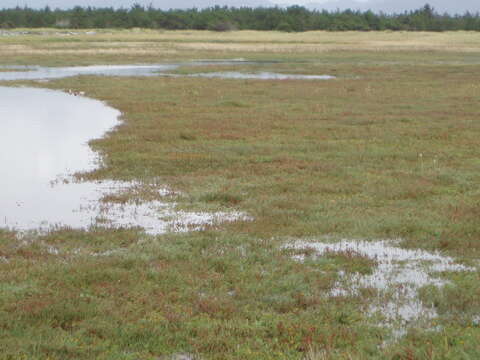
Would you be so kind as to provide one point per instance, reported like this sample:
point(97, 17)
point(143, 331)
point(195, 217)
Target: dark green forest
point(294, 18)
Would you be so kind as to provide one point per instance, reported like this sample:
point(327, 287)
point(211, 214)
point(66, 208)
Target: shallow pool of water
point(44, 137)
point(45, 73)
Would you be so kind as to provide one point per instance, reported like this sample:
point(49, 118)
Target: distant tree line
point(293, 18)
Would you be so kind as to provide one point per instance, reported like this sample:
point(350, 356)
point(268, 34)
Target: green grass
point(388, 150)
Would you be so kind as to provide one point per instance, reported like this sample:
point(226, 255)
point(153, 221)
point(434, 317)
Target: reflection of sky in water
point(43, 135)
point(43, 138)
point(44, 132)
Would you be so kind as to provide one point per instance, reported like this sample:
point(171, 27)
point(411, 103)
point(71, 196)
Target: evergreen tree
point(293, 18)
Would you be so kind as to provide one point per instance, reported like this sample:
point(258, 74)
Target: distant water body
point(45, 73)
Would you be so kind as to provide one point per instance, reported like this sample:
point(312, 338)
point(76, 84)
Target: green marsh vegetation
point(388, 150)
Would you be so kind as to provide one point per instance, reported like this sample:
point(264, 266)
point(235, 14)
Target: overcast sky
point(452, 6)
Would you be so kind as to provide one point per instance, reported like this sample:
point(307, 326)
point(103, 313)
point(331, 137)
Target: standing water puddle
point(43, 73)
point(43, 141)
point(398, 276)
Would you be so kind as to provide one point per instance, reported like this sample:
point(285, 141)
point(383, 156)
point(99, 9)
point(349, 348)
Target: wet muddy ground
point(397, 277)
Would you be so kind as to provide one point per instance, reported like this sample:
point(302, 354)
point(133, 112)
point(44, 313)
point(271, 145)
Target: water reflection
point(43, 135)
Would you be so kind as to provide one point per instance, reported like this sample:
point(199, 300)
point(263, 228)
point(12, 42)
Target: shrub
point(284, 26)
point(222, 26)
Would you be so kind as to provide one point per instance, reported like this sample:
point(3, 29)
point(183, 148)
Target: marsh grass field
point(387, 150)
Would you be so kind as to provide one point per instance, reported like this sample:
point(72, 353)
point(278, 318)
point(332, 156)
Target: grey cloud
point(162, 4)
point(390, 6)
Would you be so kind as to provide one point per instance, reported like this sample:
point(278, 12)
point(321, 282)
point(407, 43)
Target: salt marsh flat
point(385, 152)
